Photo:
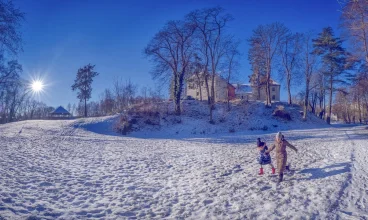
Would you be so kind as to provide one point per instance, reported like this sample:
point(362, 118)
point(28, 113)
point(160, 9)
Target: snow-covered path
point(50, 169)
point(354, 203)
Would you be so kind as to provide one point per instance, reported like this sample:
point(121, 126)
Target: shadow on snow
point(325, 172)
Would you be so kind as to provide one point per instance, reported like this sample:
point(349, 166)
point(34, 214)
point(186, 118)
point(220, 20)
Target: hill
point(152, 120)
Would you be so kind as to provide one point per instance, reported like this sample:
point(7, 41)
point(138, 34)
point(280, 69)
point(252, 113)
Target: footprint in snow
point(207, 202)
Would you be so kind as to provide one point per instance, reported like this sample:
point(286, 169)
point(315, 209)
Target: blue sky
point(61, 36)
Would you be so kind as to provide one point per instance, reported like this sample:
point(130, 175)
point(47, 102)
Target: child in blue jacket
point(264, 158)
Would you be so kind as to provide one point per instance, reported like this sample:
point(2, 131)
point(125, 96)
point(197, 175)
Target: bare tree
point(360, 91)
point(197, 74)
point(309, 62)
point(74, 107)
point(354, 20)
point(11, 18)
point(171, 51)
point(144, 93)
point(11, 87)
point(124, 93)
point(118, 89)
point(268, 39)
point(69, 107)
point(212, 41)
point(257, 57)
point(107, 102)
point(290, 51)
point(231, 64)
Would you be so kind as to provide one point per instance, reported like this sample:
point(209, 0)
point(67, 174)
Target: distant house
point(196, 88)
point(250, 92)
point(60, 112)
point(243, 91)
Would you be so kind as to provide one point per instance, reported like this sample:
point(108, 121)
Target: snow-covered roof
point(242, 88)
point(273, 82)
point(60, 111)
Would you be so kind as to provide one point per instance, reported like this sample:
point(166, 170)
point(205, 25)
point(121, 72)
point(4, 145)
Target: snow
point(243, 117)
point(82, 169)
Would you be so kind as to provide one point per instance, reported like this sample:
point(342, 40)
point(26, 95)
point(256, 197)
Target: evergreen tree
point(83, 83)
point(334, 61)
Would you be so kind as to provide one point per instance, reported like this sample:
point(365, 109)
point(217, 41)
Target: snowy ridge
point(244, 117)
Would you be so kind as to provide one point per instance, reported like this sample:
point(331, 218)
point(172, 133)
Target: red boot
point(273, 170)
point(260, 171)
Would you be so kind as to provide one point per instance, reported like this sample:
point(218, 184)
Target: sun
point(37, 86)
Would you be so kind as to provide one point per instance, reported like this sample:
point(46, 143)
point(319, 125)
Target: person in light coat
point(281, 154)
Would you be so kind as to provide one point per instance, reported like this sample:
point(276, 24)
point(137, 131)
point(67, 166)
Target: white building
point(197, 89)
point(250, 92)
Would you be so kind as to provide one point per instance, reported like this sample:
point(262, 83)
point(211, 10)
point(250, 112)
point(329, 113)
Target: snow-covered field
point(56, 170)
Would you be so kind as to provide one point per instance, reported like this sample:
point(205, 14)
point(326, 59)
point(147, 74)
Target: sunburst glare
point(37, 86)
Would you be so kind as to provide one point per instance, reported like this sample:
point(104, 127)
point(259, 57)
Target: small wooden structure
point(60, 112)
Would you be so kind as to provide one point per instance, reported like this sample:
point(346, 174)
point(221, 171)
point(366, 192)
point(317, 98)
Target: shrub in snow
point(263, 128)
point(231, 130)
point(176, 120)
point(144, 110)
point(123, 125)
point(151, 121)
point(281, 113)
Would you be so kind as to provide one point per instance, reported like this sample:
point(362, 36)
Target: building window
point(273, 97)
point(197, 93)
point(273, 89)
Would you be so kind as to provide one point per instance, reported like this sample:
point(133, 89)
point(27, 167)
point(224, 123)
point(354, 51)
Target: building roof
point(60, 111)
point(273, 82)
point(242, 88)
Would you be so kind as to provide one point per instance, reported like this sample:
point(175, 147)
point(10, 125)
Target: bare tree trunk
point(330, 101)
point(178, 90)
point(200, 87)
point(208, 90)
point(324, 104)
point(228, 100)
point(288, 88)
point(359, 110)
point(314, 103)
point(306, 100)
point(213, 98)
point(208, 95)
point(228, 93)
point(259, 86)
point(85, 108)
point(268, 93)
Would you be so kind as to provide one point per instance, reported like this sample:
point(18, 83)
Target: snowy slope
point(61, 170)
point(194, 121)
